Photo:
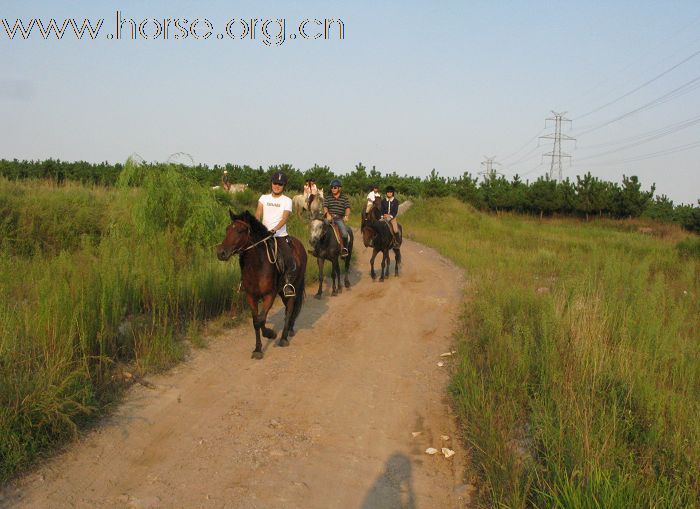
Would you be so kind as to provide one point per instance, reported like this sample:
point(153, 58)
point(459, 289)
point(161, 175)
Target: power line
point(675, 33)
point(524, 145)
point(648, 136)
point(673, 94)
point(648, 82)
point(651, 155)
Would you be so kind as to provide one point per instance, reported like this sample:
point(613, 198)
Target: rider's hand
point(273, 231)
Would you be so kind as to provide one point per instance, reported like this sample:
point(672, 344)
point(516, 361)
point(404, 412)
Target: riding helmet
point(336, 182)
point(279, 178)
point(389, 189)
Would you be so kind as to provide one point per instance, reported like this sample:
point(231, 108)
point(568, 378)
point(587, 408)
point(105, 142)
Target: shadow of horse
point(325, 246)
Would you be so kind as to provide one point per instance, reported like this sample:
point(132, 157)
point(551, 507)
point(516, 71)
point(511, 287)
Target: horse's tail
point(299, 300)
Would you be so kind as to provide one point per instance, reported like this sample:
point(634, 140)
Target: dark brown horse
point(376, 234)
point(325, 247)
point(261, 280)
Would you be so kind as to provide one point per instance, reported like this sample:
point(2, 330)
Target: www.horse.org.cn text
point(268, 31)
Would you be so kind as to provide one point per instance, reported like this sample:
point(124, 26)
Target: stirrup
point(288, 290)
point(344, 252)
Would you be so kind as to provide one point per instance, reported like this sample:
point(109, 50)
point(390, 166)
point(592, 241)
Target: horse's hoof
point(334, 293)
point(269, 334)
point(284, 342)
point(347, 284)
point(292, 332)
point(257, 355)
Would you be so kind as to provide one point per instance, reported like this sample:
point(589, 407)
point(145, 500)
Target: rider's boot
point(290, 268)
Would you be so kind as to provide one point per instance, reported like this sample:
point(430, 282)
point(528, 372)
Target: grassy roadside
point(95, 282)
point(578, 375)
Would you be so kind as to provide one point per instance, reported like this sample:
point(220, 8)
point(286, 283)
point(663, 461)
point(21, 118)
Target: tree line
point(585, 196)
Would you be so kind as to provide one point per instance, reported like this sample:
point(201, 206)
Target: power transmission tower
point(555, 168)
point(490, 171)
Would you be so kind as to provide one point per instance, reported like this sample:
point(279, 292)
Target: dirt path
point(325, 423)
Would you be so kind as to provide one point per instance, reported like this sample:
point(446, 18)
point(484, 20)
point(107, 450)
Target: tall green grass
point(578, 374)
point(90, 279)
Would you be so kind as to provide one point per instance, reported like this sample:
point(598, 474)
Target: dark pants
point(285, 259)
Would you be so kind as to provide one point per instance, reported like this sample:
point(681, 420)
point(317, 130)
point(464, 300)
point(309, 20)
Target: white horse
point(234, 188)
point(300, 203)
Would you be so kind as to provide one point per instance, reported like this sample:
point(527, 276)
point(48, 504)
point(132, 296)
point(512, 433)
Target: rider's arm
point(259, 212)
point(347, 213)
point(326, 213)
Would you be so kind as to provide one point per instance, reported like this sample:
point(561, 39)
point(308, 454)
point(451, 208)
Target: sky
point(410, 87)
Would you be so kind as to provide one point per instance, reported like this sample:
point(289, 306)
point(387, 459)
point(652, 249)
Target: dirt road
point(325, 423)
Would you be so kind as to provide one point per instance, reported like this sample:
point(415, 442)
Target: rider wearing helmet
point(274, 210)
point(336, 208)
point(390, 209)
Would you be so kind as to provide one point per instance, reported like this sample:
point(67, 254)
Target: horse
point(322, 238)
point(300, 203)
point(376, 233)
point(260, 278)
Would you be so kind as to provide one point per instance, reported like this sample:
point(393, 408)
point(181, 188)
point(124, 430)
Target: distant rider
point(390, 209)
point(274, 210)
point(336, 208)
point(226, 181)
point(373, 195)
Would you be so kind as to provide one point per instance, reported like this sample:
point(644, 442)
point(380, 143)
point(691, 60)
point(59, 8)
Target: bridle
point(271, 256)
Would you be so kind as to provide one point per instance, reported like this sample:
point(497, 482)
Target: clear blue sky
point(413, 86)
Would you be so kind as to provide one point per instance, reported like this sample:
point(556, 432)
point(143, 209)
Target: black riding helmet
point(279, 178)
point(390, 189)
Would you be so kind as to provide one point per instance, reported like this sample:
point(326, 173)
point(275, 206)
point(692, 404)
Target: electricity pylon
point(555, 168)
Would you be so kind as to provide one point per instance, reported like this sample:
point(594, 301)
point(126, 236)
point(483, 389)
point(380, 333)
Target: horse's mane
point(257, 229)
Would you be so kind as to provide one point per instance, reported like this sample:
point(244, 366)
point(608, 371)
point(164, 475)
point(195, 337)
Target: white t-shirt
point(372, 196)
point(273, 210)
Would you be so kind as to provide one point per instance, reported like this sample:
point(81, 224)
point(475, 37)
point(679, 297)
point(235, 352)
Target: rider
point(390, 209)
point(274, 210)
point(337, 208)
point(373, 195)
point(226, 181)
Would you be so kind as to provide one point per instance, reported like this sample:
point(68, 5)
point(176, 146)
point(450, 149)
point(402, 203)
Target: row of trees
point(585, 196)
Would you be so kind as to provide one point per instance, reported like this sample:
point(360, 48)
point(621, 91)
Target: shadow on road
point(394, 488)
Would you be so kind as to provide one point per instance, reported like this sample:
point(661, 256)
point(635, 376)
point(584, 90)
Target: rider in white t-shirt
point(373, 195)
point(273, 211)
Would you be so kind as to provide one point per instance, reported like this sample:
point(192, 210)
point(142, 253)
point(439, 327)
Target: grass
point(93, 280)
point(578, 375)
point(88, 281)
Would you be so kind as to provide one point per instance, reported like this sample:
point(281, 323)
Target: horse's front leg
point(320, 277)
point(267, 301)
point(253, 303)
point(347, 269)
point(288, 310)
point(335, 276)
point(385, 268)
point(371, 264)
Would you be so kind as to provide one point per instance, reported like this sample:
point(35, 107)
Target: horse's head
point(368, 235)
point(315, 230)
point(239, 234)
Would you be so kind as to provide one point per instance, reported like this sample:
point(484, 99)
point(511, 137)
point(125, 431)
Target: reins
point(270, 252)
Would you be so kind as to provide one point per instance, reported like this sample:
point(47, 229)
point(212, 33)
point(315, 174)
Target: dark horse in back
point(261, 280)
point(376, 233)
point(325, 247)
